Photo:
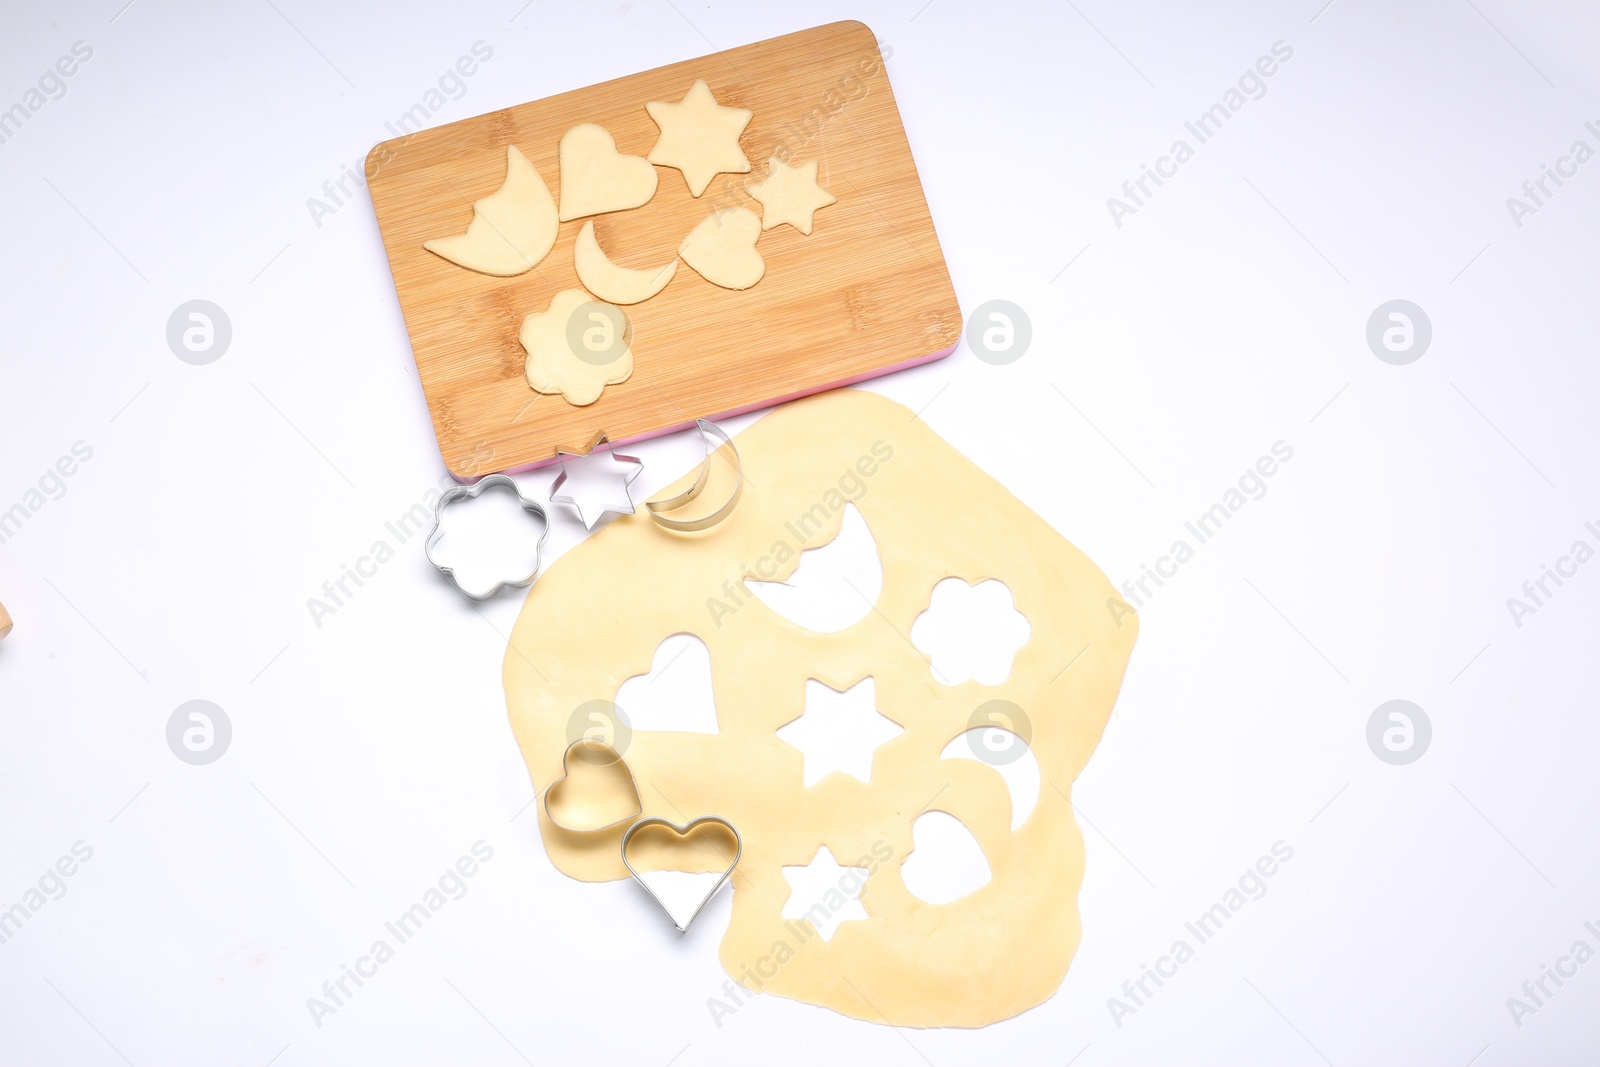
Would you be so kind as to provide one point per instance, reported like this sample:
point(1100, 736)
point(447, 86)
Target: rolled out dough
point(597, 616)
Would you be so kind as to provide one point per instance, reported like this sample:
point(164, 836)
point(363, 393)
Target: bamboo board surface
point(866, 293)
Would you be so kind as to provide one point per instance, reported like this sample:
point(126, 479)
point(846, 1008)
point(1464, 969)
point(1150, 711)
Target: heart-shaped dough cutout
point(596, 178)
point(722, 249)
point(595, 792)
point(681, 867)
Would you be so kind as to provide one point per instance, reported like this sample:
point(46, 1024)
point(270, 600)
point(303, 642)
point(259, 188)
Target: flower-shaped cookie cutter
point(470, 492)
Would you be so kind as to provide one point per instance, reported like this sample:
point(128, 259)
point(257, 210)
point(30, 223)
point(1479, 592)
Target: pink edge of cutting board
point(863, 377)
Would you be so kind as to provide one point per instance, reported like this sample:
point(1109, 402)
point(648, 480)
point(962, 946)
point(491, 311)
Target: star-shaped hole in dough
point(839, 731)
point(825, 893)
point(790, 194)
point(699, 136)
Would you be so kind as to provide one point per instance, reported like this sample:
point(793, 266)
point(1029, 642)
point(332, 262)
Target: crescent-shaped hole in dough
point(609, 282)
point(512, 228)
point(1010, 757)
point(835, 585)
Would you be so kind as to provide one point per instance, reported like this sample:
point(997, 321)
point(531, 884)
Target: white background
point(1226, 314)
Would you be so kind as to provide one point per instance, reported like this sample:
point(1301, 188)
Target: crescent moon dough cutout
point(512, 228)
point(987, 956)
point(611, 283)
point(722, 248)
point(596, 178)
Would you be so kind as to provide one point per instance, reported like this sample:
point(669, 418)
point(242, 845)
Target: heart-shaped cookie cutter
point(683, 831)
point(469, 492)
point(598, 748)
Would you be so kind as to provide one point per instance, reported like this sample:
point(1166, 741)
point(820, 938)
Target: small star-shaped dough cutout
point(699, 137)
point(824, 893)
point(790, 194)
point(839, 731)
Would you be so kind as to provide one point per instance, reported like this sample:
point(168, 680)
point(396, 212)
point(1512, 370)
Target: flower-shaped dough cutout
point(577, 347)
point(699, 137)
point(790, 194)
point(970, 632)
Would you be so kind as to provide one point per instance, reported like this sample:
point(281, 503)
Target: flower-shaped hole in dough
point(970, 632)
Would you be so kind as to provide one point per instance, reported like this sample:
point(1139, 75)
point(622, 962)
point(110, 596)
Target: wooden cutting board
point(866, 293)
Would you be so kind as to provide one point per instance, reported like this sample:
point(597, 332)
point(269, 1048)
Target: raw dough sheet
point(597, 616)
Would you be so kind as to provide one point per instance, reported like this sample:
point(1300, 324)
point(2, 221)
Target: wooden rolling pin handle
point(5, 622)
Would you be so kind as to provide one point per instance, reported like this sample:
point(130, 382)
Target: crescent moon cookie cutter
point(471, 492)
point(683, 832)
point(659, 508)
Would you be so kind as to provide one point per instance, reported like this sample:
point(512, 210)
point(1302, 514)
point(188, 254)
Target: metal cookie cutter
point(595, 754)
point(683, 832)
point(657, 508)
point(557, 497)
point(469, 492)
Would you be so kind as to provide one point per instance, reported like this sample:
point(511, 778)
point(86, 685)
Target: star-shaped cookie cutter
point(469, 492)
point(557, 497)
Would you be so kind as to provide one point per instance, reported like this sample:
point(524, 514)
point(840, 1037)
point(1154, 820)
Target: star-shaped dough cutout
point(699, 137)
point(839, 731)
point(790, 194)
